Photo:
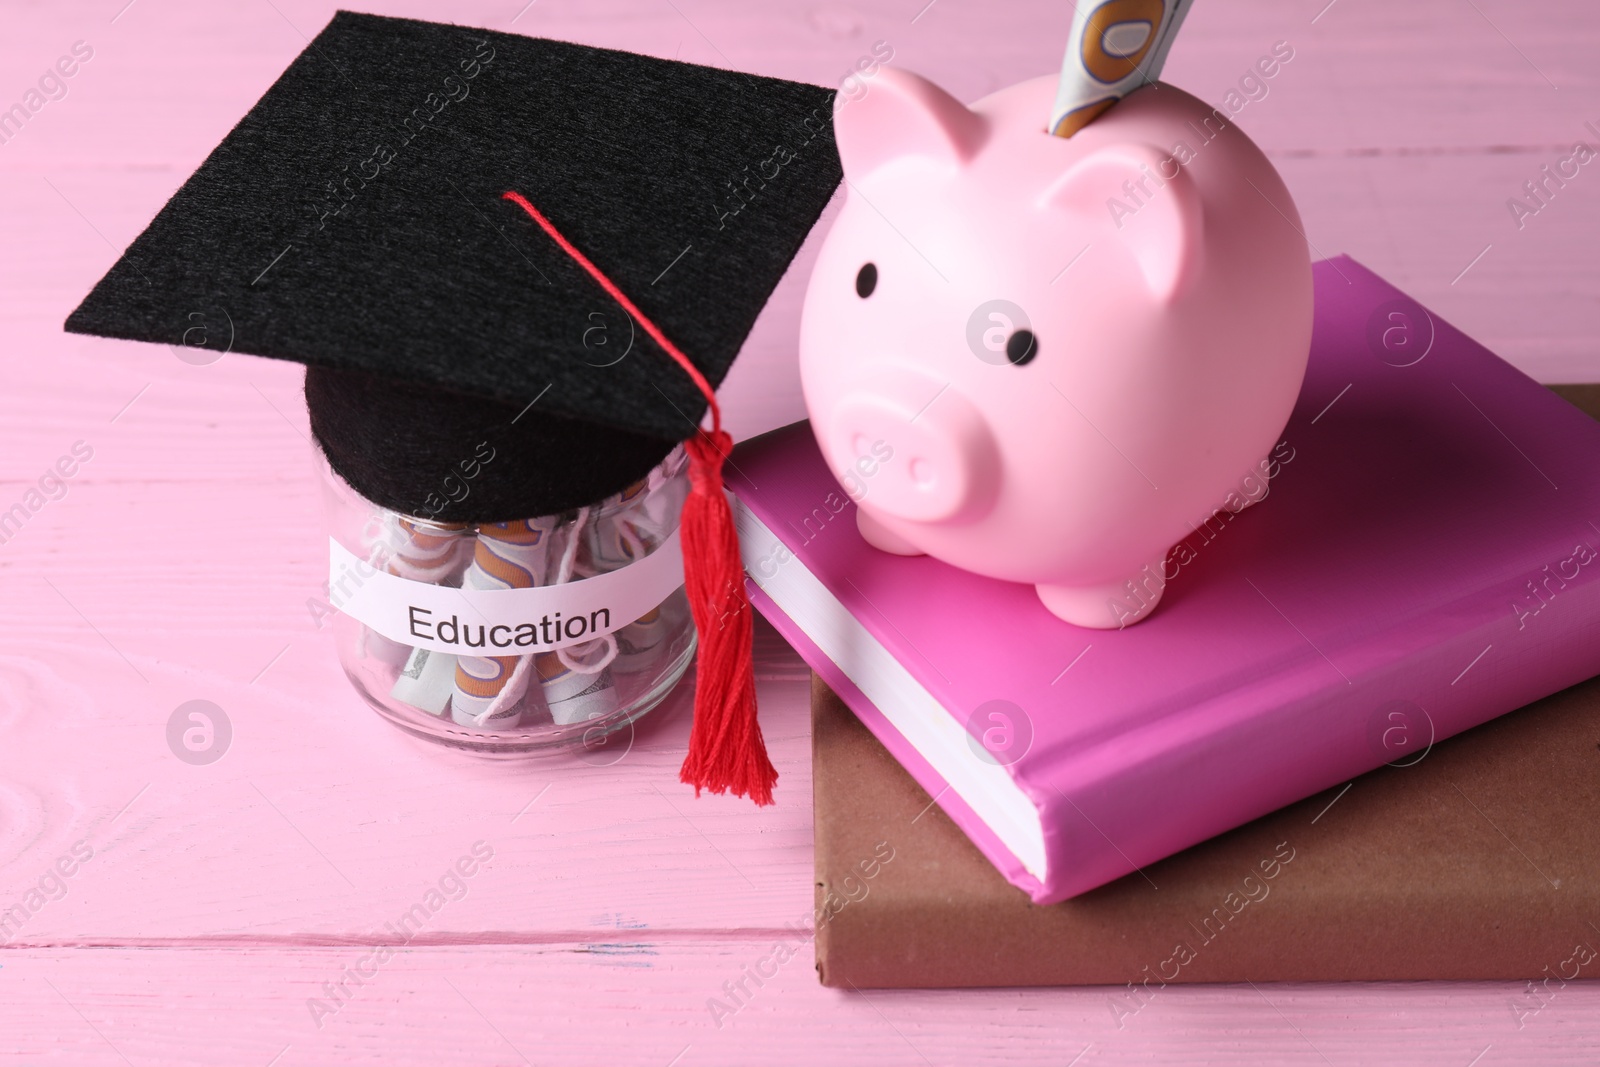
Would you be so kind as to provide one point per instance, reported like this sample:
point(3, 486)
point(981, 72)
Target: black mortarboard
point(357, 220)
point(353, 221)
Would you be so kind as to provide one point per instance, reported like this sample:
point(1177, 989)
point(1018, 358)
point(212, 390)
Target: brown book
point(1480, 860)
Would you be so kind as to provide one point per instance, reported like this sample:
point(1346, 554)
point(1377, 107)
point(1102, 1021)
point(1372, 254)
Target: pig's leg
point(1110, 606)
point(882, 538)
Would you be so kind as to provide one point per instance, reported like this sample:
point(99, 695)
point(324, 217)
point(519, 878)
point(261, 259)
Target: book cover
point(1478, 861)
point(1426, 558)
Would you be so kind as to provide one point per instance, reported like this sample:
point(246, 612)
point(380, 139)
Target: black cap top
point(354, 222)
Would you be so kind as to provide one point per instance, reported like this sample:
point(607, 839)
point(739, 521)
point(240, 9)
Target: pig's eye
point(1021, 347)
point(866, 280)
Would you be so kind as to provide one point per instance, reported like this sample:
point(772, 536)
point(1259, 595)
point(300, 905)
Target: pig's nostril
point(1021, 347)
point(866, 280)
point(922, 472)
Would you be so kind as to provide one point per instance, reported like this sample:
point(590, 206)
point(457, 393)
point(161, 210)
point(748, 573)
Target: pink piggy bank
point(1047, 360)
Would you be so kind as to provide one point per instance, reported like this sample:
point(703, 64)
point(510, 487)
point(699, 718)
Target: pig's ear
point(1125, 195)
point(903, 114)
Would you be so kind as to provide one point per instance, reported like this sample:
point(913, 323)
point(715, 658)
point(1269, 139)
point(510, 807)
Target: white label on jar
point(502, 622)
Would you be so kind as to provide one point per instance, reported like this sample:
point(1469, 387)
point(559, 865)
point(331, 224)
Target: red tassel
point(726, 750)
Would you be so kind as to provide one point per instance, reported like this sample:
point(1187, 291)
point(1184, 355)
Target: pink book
point(1427, 557)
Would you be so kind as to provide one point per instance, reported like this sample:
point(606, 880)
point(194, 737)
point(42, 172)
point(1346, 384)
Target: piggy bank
point(1048, 360)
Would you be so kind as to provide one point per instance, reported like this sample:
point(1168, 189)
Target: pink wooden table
point(221, 900)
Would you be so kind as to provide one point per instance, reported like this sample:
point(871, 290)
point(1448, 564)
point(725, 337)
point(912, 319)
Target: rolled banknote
point(1114, 48)
point(630, 526)
point(427, 681)
point(579, 682)
point(423, 551)
point(575, 696)
point(508, 555)
point(642, 641)
point(576, 681)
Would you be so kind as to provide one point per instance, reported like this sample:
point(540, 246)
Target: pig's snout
point(916, 448)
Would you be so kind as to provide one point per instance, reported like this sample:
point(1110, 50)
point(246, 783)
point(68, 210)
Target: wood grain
point(626, 997)
point(180, 561)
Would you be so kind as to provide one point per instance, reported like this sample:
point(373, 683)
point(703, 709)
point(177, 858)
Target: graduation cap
point(468, 235)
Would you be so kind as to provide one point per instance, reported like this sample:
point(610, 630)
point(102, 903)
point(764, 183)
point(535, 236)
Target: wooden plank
point(625, 996)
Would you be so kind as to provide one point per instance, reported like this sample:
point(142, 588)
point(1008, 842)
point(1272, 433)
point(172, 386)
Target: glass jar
point(513, 638)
